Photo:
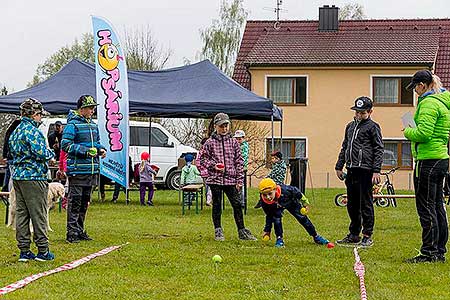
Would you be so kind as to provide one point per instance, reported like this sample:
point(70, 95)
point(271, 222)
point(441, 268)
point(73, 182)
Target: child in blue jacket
point(277, 198)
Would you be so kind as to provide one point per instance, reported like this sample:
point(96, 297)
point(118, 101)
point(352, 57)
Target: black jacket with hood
point(362, 146)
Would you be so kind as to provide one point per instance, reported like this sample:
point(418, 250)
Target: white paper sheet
point(408, 120)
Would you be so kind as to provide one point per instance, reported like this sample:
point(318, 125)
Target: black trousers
point(80, 189)
point(360, 201)
point(428, 185)
point(235, 199)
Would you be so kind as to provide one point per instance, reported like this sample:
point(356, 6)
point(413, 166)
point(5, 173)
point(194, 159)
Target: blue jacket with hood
point(80, 134)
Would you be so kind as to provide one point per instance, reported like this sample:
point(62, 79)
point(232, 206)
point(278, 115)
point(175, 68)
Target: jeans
point(273, 216)
point(360, 201)
point(428, 185)
point(276, 213)
point(117, 188)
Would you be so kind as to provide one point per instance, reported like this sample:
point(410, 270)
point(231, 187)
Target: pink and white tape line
point(358, 267)
point(72, 265)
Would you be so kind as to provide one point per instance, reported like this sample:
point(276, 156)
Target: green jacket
point(430, 137)
point(190, 175)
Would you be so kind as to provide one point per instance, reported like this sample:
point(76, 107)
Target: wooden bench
point(191, 188)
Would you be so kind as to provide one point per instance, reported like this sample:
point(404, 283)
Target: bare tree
point(143, 51)
point(352, 11)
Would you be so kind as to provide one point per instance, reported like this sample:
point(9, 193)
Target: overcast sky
point(30, 31)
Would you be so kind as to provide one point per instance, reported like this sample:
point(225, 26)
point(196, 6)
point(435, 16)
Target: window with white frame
point(291, 147)
point(392, 91)
point(397, 153)
point(287, 90)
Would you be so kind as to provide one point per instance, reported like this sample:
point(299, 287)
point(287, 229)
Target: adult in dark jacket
point(429, 140)
point(7, 157)
point(222, 160)
point(54, 139)
point(81, 142)
point(362, 153)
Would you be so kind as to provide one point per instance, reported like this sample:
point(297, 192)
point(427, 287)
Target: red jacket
point(222, 149)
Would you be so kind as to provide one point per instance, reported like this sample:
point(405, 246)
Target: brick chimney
point(328, 18)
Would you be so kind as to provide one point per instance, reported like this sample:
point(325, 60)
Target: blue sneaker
point(45, 256)
point(26, 256)
point(279, 243)
point(320, 240)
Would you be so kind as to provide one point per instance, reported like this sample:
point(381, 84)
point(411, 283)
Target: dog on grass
point(55, 192)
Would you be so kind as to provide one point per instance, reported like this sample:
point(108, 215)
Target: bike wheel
point(340, 200)
point(382, 202)
point(391, 191)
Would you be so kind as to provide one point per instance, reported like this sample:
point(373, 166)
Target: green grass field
point(169, 256)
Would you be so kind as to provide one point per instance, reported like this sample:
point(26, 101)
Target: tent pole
point(150, 136)
point(281, 134)
point(273, 140)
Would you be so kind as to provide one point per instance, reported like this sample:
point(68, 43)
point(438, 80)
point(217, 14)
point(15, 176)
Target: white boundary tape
point(72, 265)
point(358, 267)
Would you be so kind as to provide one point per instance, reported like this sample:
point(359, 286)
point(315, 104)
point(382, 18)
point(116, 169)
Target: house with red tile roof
point(315, 70)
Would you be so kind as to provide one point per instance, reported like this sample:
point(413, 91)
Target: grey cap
point(221, 118)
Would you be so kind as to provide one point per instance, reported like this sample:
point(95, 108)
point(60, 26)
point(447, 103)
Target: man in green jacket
point(429, 140)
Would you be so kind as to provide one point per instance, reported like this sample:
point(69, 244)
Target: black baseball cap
point(58, 123)
point(362, 103)
point(424, 76)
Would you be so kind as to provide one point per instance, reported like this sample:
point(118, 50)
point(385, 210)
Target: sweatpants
point(235, 199)
point(428, 185)
point(142, 190)
point(31, 204)
point(360, 201)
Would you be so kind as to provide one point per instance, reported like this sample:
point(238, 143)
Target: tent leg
point(150, 136)
point(273, 140)
point(281, 134)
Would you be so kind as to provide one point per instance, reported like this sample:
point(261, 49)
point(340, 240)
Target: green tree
point(222, 39)
point(82, 50)
point(352, 11)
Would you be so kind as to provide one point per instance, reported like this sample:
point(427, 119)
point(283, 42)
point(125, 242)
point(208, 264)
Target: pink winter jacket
point(222, 149)
point(200, 167)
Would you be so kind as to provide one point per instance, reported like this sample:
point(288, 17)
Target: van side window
point(139, 137)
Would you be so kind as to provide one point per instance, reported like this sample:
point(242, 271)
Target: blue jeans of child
point(294, 209)
point(273, 216)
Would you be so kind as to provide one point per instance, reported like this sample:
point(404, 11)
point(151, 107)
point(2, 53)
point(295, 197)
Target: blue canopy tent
point(196, 91)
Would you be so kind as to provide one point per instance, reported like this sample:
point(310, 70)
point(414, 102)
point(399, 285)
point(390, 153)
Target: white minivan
point(165, 148)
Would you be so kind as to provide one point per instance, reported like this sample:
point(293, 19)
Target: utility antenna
point(277, 9)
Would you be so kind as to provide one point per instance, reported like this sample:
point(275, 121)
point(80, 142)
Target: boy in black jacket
point(362, 153)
